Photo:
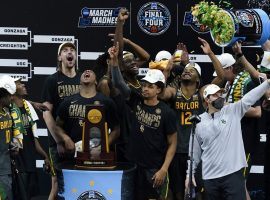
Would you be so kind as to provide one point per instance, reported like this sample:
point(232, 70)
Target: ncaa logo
point(154, 18)
point(91, 195)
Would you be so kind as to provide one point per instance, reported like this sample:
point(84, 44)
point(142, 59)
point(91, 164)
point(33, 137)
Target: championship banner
point(100, 185)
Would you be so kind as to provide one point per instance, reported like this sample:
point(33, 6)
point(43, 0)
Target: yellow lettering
point(185, 118)
point(7, 136)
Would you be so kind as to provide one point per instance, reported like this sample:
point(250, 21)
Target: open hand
point(237, 48)
point(205, 46)
point(184, 56)
point(159, 177)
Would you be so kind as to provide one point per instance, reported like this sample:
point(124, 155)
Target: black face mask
point(218, 103)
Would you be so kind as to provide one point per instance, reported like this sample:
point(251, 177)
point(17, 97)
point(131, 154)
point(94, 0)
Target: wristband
point(239, 55)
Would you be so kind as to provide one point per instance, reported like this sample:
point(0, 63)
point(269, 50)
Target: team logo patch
point(191, 21)
point(195, 97)
point(96, 102)
point(81, 122)
point(91, 195)
point(245, 18)
point(142, 128)
point(158, 111)
point(205, 93)
point(98, 17)
point(154, 18)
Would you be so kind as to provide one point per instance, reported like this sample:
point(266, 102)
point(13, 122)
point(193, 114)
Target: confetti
point(217, 19)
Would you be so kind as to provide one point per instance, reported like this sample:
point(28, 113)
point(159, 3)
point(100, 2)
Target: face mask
point(218, 103)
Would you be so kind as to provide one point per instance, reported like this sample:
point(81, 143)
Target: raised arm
point(183, 61)
point(237, 49)
point(217, 65)
point(142, 55)
point(117, 78)
point(118, 37)
point(167, 93)
point(250, 98)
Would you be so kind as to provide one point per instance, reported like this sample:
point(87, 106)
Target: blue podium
point(116, 184)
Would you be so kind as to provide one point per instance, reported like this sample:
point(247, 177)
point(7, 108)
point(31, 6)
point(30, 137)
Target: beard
point(187, 81)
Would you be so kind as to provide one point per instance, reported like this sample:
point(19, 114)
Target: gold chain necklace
point(137, 85)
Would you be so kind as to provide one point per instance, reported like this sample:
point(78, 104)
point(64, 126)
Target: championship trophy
point(95, 141)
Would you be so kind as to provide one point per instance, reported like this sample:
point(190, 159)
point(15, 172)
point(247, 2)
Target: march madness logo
point(98, 17)
point(154, 18)
point(91, 195)
point(190, 20)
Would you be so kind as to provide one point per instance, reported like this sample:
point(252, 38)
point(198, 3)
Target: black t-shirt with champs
point(26, 160)
point(72, 112)
point(148, 139)
point(56, 88)
point(5, 138)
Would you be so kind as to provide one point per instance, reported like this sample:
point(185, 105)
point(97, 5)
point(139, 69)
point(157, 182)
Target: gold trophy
point(95, 142)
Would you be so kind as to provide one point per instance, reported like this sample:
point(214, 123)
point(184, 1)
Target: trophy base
point(95, 167)
point(103, 161)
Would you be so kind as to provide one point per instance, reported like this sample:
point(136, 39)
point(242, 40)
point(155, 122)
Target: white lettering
point(100, 13)
point(152, 22)
point(104, 20)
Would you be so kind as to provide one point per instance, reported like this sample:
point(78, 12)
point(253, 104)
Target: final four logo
point(154, 18)
point(91, 195)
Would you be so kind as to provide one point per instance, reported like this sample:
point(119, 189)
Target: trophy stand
point(95, 142)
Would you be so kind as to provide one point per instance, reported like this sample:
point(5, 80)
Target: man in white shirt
point(219, 145)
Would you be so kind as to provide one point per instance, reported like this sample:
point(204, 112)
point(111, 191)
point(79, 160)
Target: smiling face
point(67, 57)
point(190, 74)
point(88, 77)
point(130, 65)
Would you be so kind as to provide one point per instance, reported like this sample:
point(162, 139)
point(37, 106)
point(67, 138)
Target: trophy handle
point(107, 137)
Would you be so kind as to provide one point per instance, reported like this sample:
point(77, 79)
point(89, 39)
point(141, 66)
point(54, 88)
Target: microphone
point(194, 119)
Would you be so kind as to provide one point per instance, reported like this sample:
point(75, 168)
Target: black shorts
point(246, 170)
point(54, 160)
point(56, 163)
point(231, 186)
point(28, 182)
point(178, 172)
point(144, 185)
